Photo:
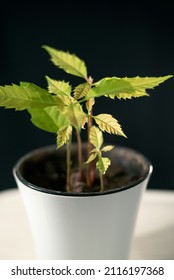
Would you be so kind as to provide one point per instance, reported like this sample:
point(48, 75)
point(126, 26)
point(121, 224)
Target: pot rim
point(17, 174)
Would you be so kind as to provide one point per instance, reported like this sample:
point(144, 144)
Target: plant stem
point(79, 142)
point(68, 161)
point(90, 166)
point(101, 182)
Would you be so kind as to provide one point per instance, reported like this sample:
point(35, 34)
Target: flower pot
point(91, 225)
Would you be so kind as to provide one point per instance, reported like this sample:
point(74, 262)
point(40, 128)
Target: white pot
point(81, 226)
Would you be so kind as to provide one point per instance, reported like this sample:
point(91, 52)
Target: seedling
point(63, 109)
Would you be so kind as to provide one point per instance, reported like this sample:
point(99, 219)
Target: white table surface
point(153, 239)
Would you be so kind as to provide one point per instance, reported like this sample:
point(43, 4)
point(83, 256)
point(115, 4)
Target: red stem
point(80, 160)
point(90, 166)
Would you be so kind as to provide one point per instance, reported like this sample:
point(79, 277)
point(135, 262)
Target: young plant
point(62, 109)
point(102, 164)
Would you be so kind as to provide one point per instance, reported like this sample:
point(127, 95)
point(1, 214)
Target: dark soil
point(47, 169)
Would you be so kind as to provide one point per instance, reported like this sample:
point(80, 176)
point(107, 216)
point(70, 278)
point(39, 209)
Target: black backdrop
point(114, 39)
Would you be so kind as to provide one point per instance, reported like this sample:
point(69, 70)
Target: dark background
point(115, 39)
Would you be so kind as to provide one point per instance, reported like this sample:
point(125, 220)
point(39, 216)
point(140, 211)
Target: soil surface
point(47, 169)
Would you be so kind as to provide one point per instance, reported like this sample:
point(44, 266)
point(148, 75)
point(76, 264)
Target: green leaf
point(91, 158)
point(110, 87)
point(76, 115)
point(63, 102)
point(95, 150)
point(58, 87)
point(81, 90)
point(107, 148)
point(48, 119)
point(70, 63)
point(96, 137)
point(62, 90)
point(125, 88)
point(25, 96)
point(89, 104)
point(103, 164)
point(107, 123)
point(142, 83)
point(64, 135)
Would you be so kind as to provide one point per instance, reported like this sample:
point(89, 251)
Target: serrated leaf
point(64, 135)
point(125, 95)
point(110, 87)
point(76, 115)
point(142, 83)
point(91, 158)
point(48, 119)
point(109, 124)
point(103, 164)
point(58, 87)
point(125, 88)
point(63, 102)
point(70, 63)
point(81, 90)
point(96, 137)
point(107, 148)
point(25, 96)
point(89, 104)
